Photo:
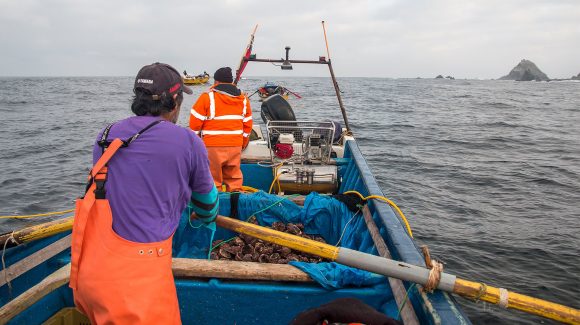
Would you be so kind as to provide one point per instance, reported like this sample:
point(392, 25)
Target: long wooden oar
point(407, 272)
point(293, 93)
point(253, 93)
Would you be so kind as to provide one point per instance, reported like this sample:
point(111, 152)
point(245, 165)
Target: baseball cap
point(160, 78)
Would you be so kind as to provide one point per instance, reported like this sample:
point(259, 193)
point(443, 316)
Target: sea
point(487, 172)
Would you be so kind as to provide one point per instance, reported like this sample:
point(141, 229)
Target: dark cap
point(160, 78)
point(223, 75)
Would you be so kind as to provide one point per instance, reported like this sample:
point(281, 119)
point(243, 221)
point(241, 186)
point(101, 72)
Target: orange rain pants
point(116, 281)
point(224, 164)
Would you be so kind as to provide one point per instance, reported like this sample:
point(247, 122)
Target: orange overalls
point(116, 281)
point(224, 122)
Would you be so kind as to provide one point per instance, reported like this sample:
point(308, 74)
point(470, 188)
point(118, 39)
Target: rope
point(253, 214)
point(273, 204)
point(11, 238)
point(391, 203)
point(435, 269)
point(37, 215)
point(482, 292)
point(434, 276)
point(250, 189)
point(276, 180)
point(218, 245)
point(344, 229)
point(503, 298)
point(404, 301)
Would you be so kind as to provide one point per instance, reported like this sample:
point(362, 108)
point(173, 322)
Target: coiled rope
point(391, 203)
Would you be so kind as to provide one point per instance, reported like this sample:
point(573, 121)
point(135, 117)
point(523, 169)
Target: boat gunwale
point(404, 248)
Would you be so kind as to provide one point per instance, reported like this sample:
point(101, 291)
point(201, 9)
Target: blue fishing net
point(321, 215)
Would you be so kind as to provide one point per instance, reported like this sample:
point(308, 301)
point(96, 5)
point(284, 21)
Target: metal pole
point(338, 96)
point(282, 61)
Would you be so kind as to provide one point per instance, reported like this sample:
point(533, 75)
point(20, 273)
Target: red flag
point(246, 55)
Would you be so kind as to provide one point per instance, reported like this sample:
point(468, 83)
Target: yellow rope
point(249, 189)
point(391, 203)
point(276, 181)
point(37, 215)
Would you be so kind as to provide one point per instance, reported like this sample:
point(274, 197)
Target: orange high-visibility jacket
point(222, 119)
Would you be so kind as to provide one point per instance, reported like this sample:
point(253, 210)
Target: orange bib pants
point(224, 164)
point(116, 281)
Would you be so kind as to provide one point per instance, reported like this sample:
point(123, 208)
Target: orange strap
point(107, 155)
point(84, 206)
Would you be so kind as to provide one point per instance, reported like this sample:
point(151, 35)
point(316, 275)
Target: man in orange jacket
point(222, 117)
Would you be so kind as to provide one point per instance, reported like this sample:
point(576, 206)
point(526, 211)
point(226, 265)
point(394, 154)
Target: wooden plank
point(196, 268)
point(17, 269)
point(407, 312)
point(299, 200)
point(34, 294)
point(182, 268)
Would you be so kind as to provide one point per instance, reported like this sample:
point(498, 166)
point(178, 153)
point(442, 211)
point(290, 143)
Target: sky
point(387, 39)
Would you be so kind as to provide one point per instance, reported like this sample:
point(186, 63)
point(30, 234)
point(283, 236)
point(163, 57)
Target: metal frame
point(301, 130)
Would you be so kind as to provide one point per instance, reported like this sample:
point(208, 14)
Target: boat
point(196, 80)
point(270, 88)
point(295, 171)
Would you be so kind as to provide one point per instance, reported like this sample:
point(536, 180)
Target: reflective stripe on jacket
point(222, 119)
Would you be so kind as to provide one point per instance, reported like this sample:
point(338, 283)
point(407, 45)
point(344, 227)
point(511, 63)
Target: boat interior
point(293, 171)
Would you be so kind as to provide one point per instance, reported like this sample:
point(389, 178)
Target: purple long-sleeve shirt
point(149, 183)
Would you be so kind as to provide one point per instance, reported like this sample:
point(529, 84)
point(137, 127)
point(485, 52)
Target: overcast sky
point(388, 38)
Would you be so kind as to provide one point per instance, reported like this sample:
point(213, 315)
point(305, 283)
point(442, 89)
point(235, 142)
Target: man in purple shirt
point(124, 226)
point(151, 181)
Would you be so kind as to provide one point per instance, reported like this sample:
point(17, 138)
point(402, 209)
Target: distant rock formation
point(439, 77)
point(526, 70)
point(576, 77)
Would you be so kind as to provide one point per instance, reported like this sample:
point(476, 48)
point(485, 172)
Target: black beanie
point(223, 75)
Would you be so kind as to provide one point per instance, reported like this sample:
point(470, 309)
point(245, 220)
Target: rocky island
point(526, 70)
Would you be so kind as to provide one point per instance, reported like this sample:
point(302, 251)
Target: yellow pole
point(36, 232)
point(547, 309)
point(469, 289)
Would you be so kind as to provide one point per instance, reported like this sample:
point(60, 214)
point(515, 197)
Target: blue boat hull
point(218, 301)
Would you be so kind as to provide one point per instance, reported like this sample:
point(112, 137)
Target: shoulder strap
point(104, 143)
point(107, 155)
point(134, 137)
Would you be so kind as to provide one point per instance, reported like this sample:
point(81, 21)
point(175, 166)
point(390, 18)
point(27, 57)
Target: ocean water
point(487, 172)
